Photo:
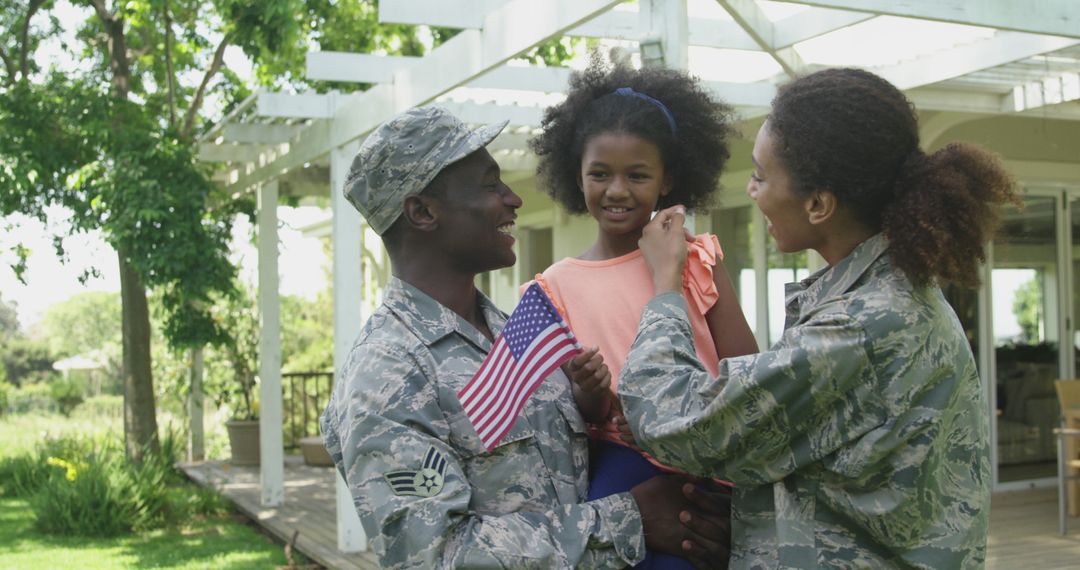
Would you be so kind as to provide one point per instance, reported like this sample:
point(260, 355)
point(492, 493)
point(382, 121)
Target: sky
point(302, 263)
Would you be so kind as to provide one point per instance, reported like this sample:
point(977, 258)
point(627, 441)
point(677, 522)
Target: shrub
point(86, 489)
point(31, 398)
point(101, 407)
point(3, 397)
point(67, 393)
point(22, 475)
point(86, 499)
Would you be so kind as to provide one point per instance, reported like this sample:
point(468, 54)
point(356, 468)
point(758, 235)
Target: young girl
point(623, 145)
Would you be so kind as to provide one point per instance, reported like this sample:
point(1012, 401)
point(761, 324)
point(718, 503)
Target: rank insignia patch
point(427, 482)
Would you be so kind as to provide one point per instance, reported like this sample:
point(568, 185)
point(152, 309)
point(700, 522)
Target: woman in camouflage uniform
point(861, 438)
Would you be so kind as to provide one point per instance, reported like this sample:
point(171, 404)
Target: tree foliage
point(87, 324)
point(9, 321)
point(27, 361)
point(111, 139)
point(1028, 308)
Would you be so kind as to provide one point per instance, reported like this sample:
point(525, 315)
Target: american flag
point(534, 342)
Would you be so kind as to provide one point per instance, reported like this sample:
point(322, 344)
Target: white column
point(759, 246)
point(814, 261)
point(197, 451)
point(348, 317)
point(987, 360)
point(675, 29)
point(271, 447)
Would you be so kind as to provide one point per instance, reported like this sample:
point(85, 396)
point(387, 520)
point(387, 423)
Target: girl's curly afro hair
point(694, 155)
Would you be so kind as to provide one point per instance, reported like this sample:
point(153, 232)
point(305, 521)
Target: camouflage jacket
point(860, 440)
point(428, 493)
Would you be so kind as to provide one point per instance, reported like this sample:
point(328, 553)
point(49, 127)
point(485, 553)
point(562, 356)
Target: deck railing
point(305, 395)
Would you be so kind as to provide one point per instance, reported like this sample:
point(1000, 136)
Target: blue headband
point(628, 92)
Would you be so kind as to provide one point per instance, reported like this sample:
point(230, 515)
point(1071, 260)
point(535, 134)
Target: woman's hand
point(663, 244)
point(625, 434)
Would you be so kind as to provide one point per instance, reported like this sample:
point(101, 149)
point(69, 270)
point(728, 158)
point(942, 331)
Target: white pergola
point(1025, 60)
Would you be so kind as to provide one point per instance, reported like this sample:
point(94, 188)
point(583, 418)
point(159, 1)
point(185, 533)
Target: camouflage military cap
point(403, 155)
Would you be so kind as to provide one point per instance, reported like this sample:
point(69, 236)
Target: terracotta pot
point(314, 450)
point(244, 441)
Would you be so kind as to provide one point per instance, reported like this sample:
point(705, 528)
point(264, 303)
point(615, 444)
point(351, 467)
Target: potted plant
point(239, 390)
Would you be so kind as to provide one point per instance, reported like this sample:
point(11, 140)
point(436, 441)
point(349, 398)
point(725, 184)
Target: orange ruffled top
point(602, 302)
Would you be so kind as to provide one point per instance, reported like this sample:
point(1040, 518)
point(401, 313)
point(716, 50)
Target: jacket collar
point(431, 321)
point(835, 280)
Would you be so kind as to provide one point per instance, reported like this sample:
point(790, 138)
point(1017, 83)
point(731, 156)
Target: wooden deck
point(309, 507)
point(1024, 533)
point(1023, 524)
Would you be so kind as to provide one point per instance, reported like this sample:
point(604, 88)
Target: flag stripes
point(534, 342)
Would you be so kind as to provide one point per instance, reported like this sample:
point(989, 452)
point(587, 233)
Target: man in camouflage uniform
point(859, 440)
point(428, 493)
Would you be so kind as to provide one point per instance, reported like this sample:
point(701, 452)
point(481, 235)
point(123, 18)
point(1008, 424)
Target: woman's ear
point(821, 205)
point(421, 212)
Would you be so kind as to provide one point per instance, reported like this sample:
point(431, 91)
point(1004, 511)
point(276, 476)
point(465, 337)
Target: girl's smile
point(622, 177)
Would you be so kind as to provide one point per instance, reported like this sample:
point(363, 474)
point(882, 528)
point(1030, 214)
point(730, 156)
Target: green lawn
point(218, 543)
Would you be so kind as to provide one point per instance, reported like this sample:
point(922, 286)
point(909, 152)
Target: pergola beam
point(462, 14)
point(369, 68)
point(487, 113)
point(618, 24)
point(209, 152)
point(259, 133)
point(753, 20)
point(1052, 17)
point(750, 99)
point(508, 31)
point(297, 106)
point(813, 23)
point(759, 94)
point(1002, 48)
point(928, 99)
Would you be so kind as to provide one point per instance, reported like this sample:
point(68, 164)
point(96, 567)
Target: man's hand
point(663, 244)
point(709, 521)
point(591, 381)
point(685, 521)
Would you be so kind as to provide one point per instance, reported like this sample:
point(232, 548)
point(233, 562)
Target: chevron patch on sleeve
point(426, 482)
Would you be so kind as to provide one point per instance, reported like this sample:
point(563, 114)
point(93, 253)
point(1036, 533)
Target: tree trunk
point(140, 413)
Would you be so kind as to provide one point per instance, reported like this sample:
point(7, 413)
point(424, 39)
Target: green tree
point(27, 361)
point(112, 143)
point(305, 344)
point(87, 324)
point(9, 321)
point(111, 140)
point(1028, 308)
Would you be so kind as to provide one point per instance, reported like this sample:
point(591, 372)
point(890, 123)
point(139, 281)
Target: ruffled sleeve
point(542, 282)
point(698, 285)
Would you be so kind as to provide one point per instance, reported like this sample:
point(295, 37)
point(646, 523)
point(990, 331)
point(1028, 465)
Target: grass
point(21, 433)
point(221, 543)
point(204, 542)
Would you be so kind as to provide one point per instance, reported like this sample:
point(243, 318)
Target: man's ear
point(821, 205)
point(421, 212)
